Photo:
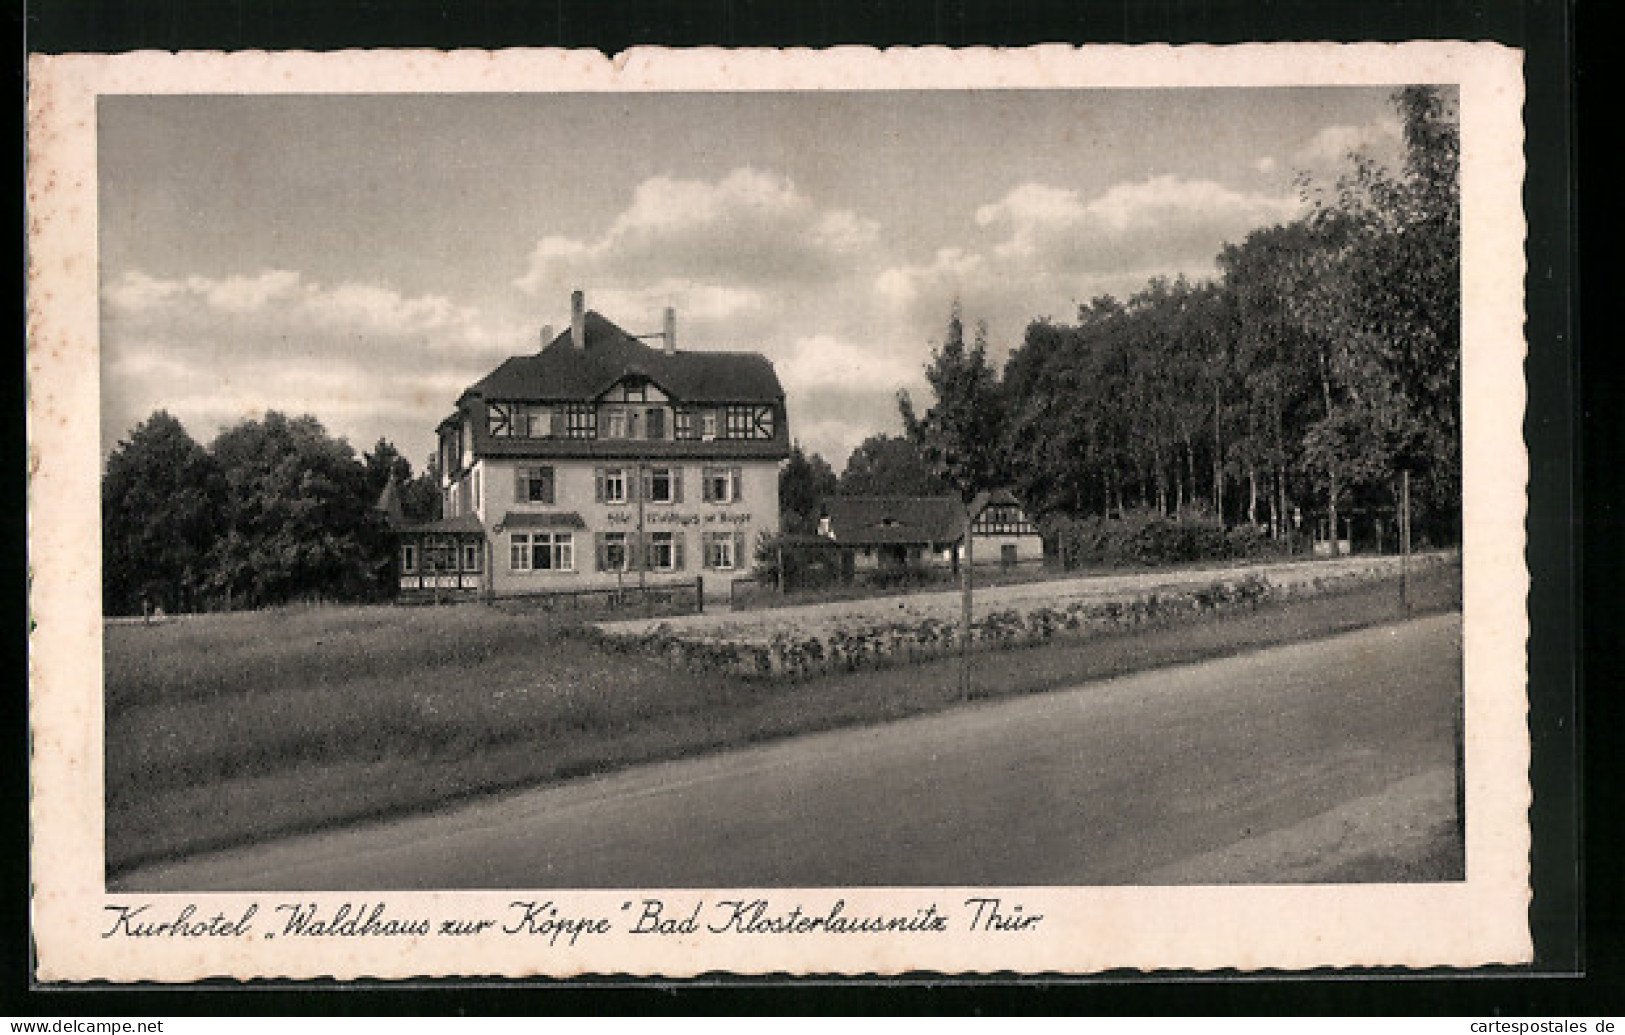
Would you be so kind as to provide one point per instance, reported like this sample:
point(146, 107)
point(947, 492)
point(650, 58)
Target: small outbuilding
point(894, 533)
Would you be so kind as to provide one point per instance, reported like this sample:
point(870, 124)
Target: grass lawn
point(233, 728)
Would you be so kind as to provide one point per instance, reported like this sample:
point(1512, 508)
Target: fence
point(756, 591)
point(666, 598)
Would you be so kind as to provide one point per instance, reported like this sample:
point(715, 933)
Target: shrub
point(1150, 539)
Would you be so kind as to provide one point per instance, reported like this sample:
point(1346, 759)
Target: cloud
point(822, 361)
point(1327, 150)
point(951, 272)
point(282, 301)
point(360, 356)
point(1040, 250)
point(1165, 220)
point(750, 228)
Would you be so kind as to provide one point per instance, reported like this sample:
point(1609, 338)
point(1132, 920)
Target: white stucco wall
point(755, 512)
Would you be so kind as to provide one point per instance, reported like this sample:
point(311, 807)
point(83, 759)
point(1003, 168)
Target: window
point(542, 551)
point(663, 485)
point(614, 423)
point(749, 422)
point(524, 420)
point(612, 552)
point(721, 549)
point(499, 419)
point(440, 555)
point(654, 422)
point(409, 558)
point(538, 421)
point(471, 556)
point(1004, 520)
point(533, 485)
point(722, 484)
point(581, 421)
point(611, 485)
point(664, 552)
point(685, 423)
point(708, 424)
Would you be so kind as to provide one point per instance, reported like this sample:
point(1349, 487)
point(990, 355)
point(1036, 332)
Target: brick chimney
point(578, 319)
point(671, 330)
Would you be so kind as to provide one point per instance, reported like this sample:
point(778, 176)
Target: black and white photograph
point(528, 517)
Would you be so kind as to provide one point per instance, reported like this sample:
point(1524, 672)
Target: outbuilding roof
point(893, 520)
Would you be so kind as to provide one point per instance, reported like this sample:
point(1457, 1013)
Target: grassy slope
point(238, 727)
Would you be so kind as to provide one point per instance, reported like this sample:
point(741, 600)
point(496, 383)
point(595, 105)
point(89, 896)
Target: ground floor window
point(720, 550)
point(471, 556)
point(440, 555)
point(542, 551)
point(612, 552)
point(665, 551)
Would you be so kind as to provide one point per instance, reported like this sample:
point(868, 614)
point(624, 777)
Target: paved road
point(1293, 763)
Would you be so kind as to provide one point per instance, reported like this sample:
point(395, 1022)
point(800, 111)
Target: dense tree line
point(272, 511)
point(1296, 387)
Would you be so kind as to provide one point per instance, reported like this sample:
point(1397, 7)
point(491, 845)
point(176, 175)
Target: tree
point(885, 465)
point(161, 498)
point(385, 460)
point(420, 497)
point(298, 520)
point(1388, 296)
point(962, 432)
point(803, 482)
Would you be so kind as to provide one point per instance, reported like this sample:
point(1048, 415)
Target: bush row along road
point(944, 605)
point(1331, 759)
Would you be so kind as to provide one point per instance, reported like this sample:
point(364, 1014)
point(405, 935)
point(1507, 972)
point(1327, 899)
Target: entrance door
point(1007, 555)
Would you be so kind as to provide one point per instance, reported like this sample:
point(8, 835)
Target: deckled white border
point(1479, 921)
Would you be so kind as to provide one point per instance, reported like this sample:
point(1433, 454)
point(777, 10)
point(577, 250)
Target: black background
point(1577, 932)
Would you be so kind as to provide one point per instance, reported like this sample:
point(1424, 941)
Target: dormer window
point(750, 422)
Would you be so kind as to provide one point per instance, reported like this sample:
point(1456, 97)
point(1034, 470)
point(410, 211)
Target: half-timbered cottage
point(601, 459)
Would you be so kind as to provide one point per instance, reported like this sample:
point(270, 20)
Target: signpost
point(965, 612)
point(1405, 539)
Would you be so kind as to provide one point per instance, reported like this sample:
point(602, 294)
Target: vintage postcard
point(853, 513)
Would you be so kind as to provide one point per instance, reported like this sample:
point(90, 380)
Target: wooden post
point(1405, 540)
point(965, 617)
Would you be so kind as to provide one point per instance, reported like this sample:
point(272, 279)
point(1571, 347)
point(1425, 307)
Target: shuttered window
point(663, 485)
point(724, 551)
point(610, 485)
point(614, 551)
point(723, 484)
point(533, 485)
point(664, 551)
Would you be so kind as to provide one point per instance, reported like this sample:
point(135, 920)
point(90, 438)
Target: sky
point(365, 258)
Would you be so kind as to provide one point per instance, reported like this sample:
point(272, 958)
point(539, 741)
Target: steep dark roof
point(890, 520)
point(563, 373)
point(545, 519)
